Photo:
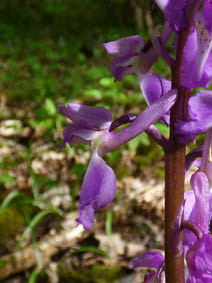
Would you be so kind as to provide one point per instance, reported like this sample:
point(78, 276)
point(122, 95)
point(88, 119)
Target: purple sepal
point(149, 259)
point(88, 122)
point(98, 190)
point(199, 261)
point(153, 87)
point(124, 46)
point(97, 118)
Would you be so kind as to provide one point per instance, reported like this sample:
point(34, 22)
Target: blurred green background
point(50, 54)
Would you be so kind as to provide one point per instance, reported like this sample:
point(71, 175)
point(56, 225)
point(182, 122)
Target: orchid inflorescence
point(94, 126)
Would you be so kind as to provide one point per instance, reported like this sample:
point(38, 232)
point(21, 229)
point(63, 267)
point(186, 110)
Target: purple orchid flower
point(91, 125)
point(152, 85)
point(151, 259)
point(197, 54)
point(126, 49)
point(131, 54)
point(200, 120)
point(99, 185)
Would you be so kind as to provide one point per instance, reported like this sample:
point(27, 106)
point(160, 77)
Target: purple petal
point(72, 133)
point(205, 15)
point(113, 140)
point(150, 259)
point(197, 56)
point(204, 40)
point(88, 117)
point(173, 11)
point(98, 190)
point(124, 46)
point(200, 105)
point(189, 198)
point(207, 170)
point(199, 261)
point(200, 185)
point(153, 87)
point(200, 109)
point(197, 207)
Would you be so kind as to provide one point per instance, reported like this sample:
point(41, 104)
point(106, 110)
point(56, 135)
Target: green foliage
point(5, 178)
point(138, 141)
point(90, 249)
point(8, 199)
point(11, 221)
point(95, 274)
point(35, 220)
point(2, 264)
point(38, 276)
point(108, 223)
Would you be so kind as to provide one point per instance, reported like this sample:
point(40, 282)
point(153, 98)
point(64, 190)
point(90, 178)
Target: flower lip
point(98, 190)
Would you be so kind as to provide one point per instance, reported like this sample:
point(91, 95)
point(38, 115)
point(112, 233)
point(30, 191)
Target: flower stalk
point(175, 169)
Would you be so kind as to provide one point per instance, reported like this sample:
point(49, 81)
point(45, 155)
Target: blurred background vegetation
point(50, 54)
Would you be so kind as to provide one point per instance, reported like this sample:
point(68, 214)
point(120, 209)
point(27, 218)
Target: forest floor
point(40, 191)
